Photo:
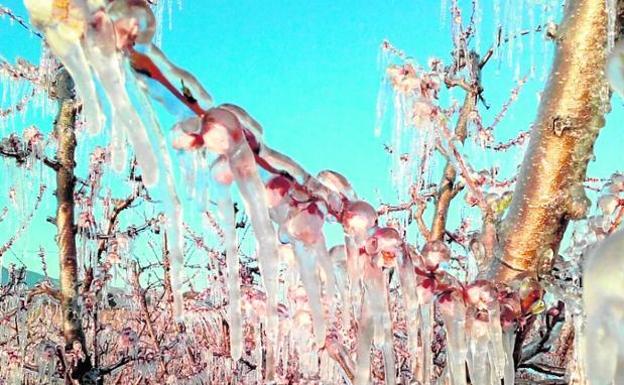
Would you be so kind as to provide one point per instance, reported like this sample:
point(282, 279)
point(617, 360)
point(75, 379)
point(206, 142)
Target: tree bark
point(66, 229)
point(550, 189)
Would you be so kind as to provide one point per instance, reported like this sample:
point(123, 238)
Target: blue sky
point(309, 73)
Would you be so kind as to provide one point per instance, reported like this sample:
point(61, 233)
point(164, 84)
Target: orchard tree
point(407, 298)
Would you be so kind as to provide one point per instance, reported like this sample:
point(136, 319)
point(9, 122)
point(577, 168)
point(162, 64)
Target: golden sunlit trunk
point(550, 187)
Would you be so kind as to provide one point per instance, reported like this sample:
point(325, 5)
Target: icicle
point(107, 64)
point(381, 106)
point(382, 251)
point(408, 291)
point(222, 175)
point(364, 341)
point(453, 312)
point(254, 197)
point(508, 345)
point(578, 371)
point(173, 207)
point(307, 270)
point(258, 353)
point(282, 162)
point(495, 335)
point(319, 248)
point(478, 361)
point(426, 332)
point(382, 313)
point(63, 38)
point(338, 255)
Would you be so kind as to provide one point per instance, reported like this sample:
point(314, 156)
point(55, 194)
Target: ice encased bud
point(187, 134)
point(434, 253)
point(608, 203)
point(359, 217)
point(386, 242)
point(306, 224)
point(529, 291)
point(276, 189)
point(134, 20)
point(480, 294)
point(221, 131)
point(617, 183)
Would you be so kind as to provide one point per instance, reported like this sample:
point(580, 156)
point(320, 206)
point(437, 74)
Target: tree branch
point(446, 191)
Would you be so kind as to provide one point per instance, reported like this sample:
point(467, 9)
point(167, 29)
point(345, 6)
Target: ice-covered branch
point(446, 191)
point(19, 20)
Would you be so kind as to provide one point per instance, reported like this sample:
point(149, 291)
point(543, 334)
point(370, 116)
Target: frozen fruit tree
point(408, 298)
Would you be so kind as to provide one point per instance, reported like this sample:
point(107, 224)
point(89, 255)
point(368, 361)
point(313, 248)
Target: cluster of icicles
point(287, 208)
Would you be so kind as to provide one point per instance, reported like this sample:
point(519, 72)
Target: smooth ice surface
point(603, 297)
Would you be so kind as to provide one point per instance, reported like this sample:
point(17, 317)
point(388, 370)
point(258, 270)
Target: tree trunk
point(66, 228)
point(550, 189)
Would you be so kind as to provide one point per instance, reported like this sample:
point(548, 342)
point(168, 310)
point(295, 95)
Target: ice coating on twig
point(337, 183)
